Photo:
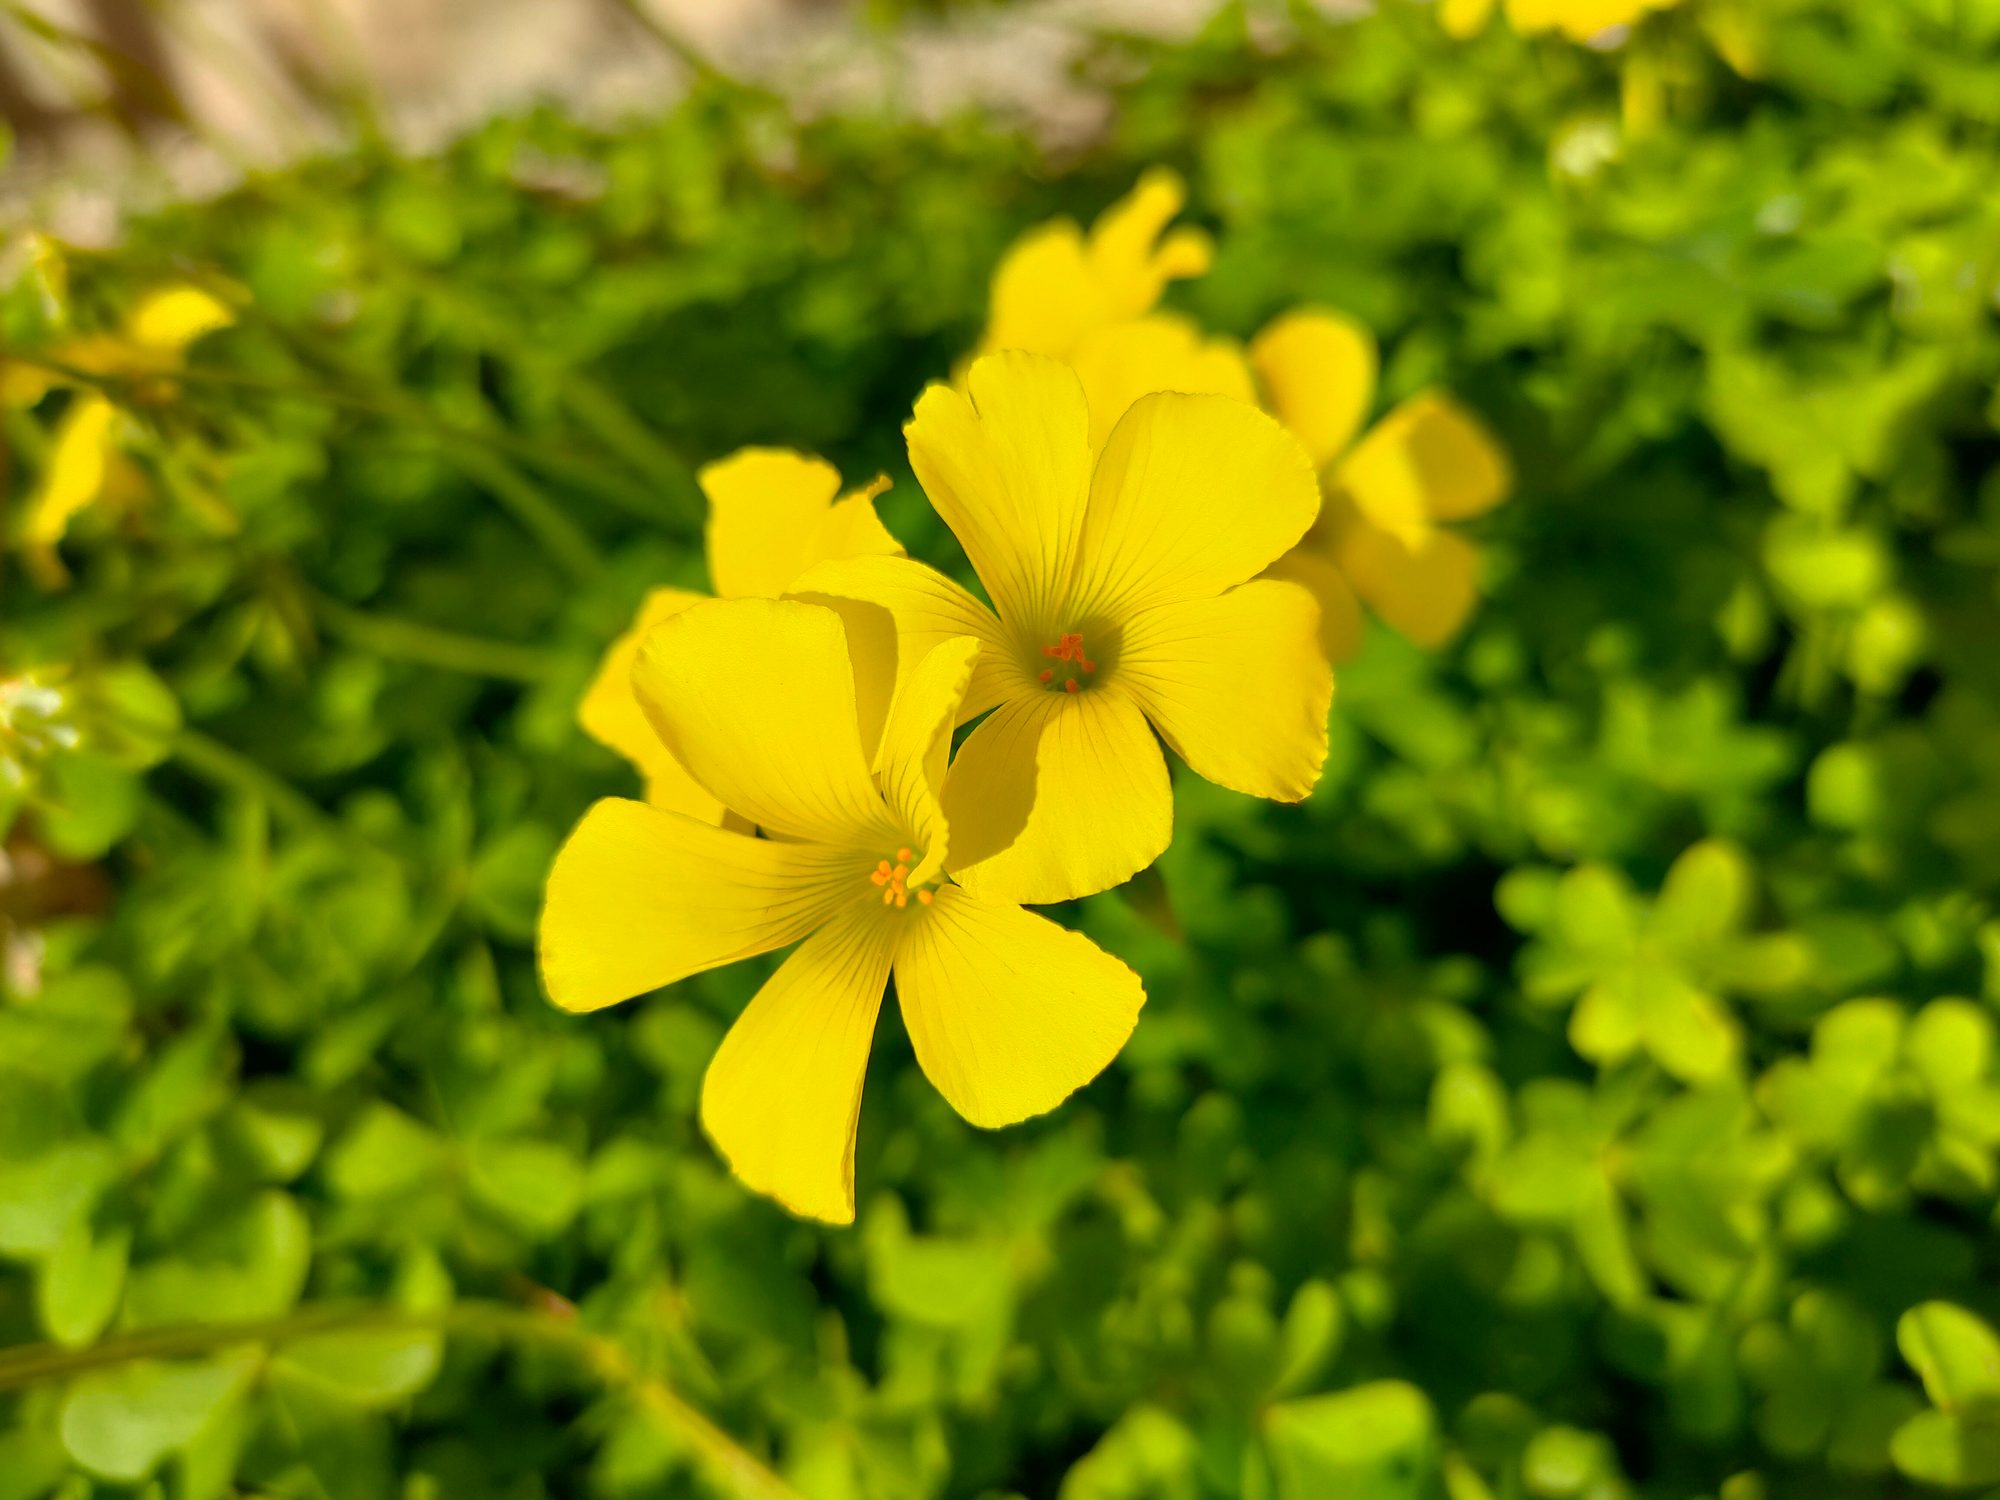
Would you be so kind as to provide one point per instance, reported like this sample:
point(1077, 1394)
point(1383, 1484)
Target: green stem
point(230, 769)
point(733, 1467)
point(677, 46)
point(614, 488)
point(629, 495)
point(614, 424)
point(567, 544)
point(427, 645)
point(600, 410)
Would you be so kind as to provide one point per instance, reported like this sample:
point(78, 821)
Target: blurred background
point(115, 98)
point(1591, 1092)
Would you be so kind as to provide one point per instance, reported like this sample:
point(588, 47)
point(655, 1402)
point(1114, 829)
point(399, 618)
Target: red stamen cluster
point(1068, 648)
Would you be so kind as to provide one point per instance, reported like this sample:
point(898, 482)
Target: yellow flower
point(1125, 600)
point(1381, 534)
point(1008, 1012)
point(1055, 284)
point(772, 514)
point(154, 341)
point(1582, 20)
point(1384, 531)
point(84, 462)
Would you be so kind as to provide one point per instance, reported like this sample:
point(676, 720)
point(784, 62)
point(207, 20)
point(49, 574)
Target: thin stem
point(671, 41)
point(614, 424)
point(615, 488)
point(128, 73)
point(230, 769)
point(124, 71)
point(599, 409)
point(355, 88)
point(245, 69)
point(568, 544)
point(733, 1467)
point(430, 646)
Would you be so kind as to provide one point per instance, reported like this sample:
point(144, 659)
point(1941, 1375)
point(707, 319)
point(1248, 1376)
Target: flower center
point(893, 879)
point(1068, 653)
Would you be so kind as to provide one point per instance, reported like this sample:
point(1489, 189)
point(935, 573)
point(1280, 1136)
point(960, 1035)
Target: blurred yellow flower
point(1583, 20)
point(1384, 530)
point(1125, 600)
point(154, 341)
point(84, 463)
point(772, 514)
point(1056, 284)
point(1008, 1012)
point(1381, 533)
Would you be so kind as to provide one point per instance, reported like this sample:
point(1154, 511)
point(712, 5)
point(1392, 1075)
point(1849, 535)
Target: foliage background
point(1365, 1210)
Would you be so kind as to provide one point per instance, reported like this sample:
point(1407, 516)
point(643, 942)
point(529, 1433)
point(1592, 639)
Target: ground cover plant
point(1588, 1091)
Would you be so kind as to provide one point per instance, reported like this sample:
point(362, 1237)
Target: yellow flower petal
point(764, 505)
point(910, 763)
point(853, 529)
point(1581, 20)
point(79, 458)
point(1423, 583)
point(1054, 286)
point(1237, 685)
point(1192, 495)
point(23, 385)
point(1056, 796)
point(756, 698)
point(639, 898)
point(1044, 296)
point(772, 515)
point(1340, 622)
point(1428, 460)
point(783, 1095)
point(1009, 1013)
point(1317, 369)
point(1008, 467)
point(168, 320)
point(1464, 18)
point(108, 354)
point(611, 715)
point(910, 610)
point(1133, 257)
point(1120, 363)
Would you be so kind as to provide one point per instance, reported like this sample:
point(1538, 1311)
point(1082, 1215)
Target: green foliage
point(1900, 1104)
point(1649, 978)
point(1588, 1094)
point(1956, 1444)
point(1376, 1439)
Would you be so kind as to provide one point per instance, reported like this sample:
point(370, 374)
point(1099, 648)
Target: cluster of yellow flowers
point(1142, 504)
point(85, 463)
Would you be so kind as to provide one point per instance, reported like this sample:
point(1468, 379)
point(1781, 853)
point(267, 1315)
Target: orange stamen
point(1069, 648)
point(927, 897)
point(893, 881)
